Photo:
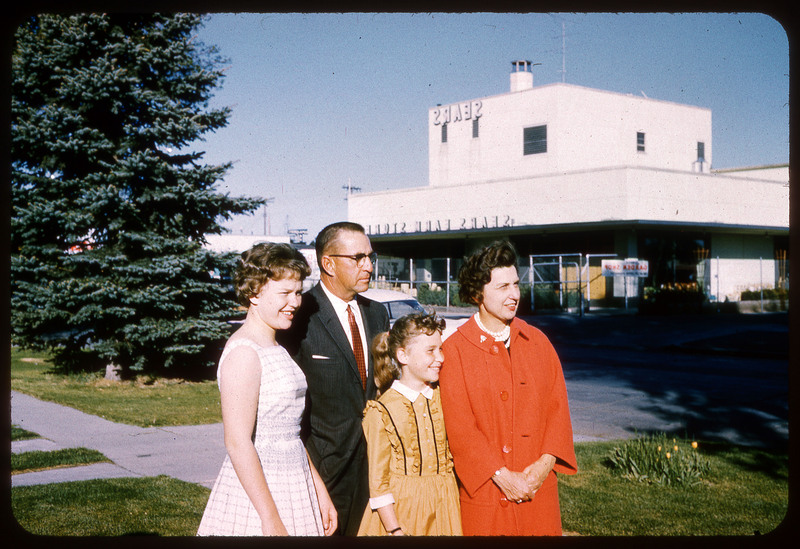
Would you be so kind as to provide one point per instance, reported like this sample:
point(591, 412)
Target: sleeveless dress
point(281, 400)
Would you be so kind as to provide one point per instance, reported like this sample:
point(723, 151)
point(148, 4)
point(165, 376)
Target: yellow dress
point(410, 462)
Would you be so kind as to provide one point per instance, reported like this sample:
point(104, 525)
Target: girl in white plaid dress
point(267, 484)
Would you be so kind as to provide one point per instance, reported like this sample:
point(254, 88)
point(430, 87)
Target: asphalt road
point(723, 377)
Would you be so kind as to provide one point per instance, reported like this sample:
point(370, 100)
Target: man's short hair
point(329, 234)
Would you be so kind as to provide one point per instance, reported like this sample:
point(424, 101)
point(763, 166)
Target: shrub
point(657, 459)
point(769, 293)
point(546, 297)
point(673, 298)
point(428, 296)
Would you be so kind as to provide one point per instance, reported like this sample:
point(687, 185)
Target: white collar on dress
point(411, 394)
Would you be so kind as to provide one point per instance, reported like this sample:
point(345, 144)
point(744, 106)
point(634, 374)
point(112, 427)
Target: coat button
point(494, 350)
point(503, 502)
point(506, 449)
point(503, 395)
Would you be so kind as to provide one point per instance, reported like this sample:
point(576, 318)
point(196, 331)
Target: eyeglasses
point(359, 258)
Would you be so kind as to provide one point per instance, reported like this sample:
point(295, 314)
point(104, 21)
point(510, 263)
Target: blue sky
point(322, 99)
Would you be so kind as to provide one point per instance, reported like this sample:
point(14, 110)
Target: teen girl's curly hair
point(386, 344)
point(477, 269)
point(263, 262)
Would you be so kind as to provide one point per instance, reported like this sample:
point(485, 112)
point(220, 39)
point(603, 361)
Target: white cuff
point(381, 501)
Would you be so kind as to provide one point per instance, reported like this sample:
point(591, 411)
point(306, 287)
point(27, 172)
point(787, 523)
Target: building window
point(475, 127)
point(535, 140)
point(444, 133)
point(640, 141)
point(701, 151)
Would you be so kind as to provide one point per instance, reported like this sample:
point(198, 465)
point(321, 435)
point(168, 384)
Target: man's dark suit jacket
point(335, 400)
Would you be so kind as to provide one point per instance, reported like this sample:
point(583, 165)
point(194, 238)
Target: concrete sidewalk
point(191, 453)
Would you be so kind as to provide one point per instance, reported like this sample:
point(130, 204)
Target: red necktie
point(358, 348)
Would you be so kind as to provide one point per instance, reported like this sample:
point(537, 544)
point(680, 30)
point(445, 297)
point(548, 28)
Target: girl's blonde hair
point(386, 344)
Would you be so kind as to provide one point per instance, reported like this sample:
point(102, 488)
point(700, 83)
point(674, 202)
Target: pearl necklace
point(502, 335)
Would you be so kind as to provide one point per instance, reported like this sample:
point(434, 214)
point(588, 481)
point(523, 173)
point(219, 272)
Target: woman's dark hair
point(477, 269)
point(386, 344)
point(263, 262)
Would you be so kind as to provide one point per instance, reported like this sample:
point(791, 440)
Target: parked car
point(400, 304)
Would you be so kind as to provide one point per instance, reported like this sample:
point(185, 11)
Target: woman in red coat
point(505, 407)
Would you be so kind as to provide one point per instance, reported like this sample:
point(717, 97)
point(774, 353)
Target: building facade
point(562, 169)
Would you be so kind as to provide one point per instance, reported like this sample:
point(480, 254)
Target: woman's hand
point(537, 472)
point(330, 518)
point(513, 484)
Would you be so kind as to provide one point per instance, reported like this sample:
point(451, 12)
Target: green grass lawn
point(143, 402)
point(18, 433)
point(746, 492)
point(160, 506)
point(26, 462)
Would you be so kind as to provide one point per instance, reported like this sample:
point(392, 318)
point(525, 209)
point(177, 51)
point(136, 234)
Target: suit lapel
point(328, 318)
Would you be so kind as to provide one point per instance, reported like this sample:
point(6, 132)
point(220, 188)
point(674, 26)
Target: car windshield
point(402, 308)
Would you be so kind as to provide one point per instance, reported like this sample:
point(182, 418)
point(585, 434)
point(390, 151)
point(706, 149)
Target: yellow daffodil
point(694, 445)
point(668, 455)
point(676, 447)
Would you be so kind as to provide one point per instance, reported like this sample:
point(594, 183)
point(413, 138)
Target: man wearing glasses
point(330, 340)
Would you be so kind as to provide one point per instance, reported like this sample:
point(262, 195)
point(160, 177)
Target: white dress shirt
point(340, 307)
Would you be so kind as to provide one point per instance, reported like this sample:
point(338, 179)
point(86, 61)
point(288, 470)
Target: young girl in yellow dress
point(412, 486)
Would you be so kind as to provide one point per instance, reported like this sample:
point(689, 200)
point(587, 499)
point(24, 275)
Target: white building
point(564, 169)
point(238, 243)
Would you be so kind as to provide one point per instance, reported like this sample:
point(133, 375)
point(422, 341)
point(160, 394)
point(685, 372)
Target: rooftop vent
point(521, 76)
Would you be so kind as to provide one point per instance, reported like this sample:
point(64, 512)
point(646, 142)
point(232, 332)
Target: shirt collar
point(338, 303)
point(411, 394)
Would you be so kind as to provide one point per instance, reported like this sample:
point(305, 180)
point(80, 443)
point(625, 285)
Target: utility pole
point(350, 189)
point(563, 54)
point(267, 202)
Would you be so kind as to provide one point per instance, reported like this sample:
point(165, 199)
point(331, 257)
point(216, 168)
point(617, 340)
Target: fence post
point(531, 279)
point(761, 281)
point(580, 277)
point(447, 286)
point(411, 274)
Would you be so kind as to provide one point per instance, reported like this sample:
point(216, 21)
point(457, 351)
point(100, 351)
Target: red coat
point(505, 411)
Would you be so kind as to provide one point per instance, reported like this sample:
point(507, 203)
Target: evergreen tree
point(109, 203)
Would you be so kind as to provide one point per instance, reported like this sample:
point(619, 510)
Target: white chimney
point(521, 76)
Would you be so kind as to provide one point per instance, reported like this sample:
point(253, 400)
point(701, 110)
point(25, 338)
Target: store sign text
point(627, 267)
point(457, 112)
point(437, 225)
